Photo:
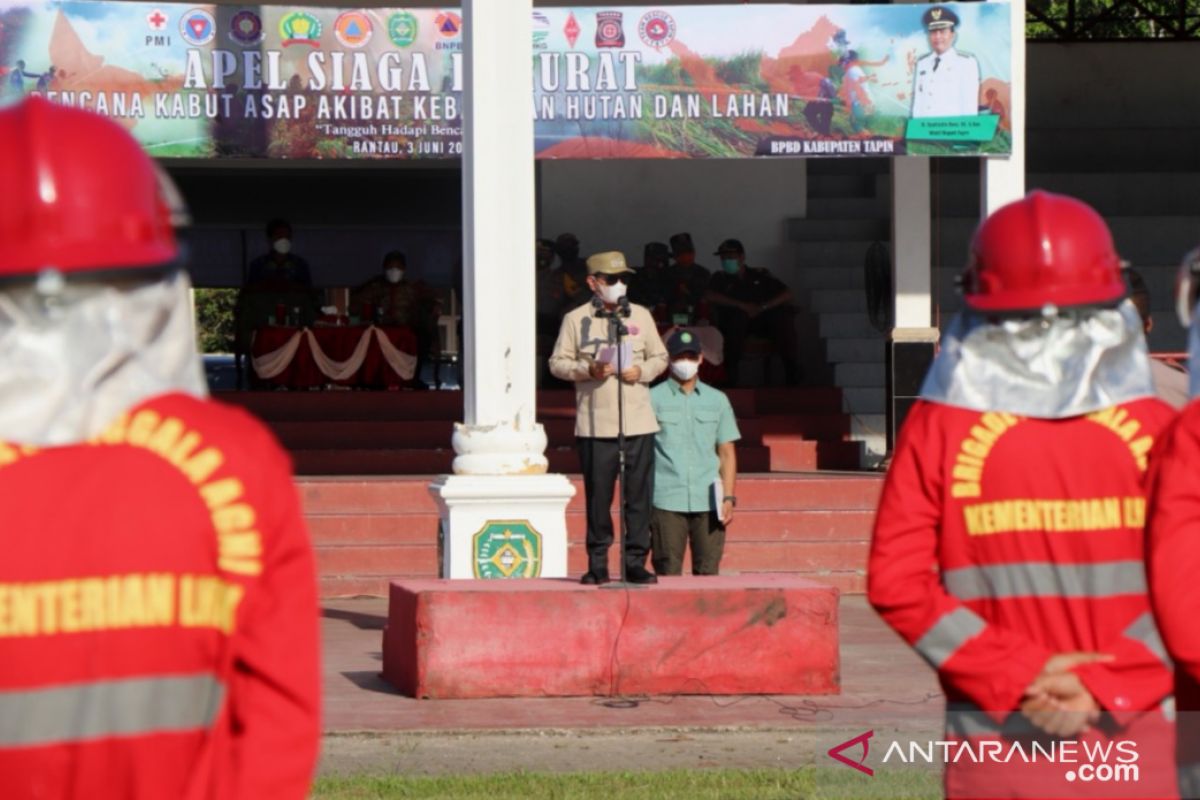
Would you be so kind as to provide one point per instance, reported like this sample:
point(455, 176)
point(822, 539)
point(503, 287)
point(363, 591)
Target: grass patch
point(703, 784)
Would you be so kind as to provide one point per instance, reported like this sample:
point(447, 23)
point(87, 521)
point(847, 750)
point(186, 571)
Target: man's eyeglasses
point(614, 279)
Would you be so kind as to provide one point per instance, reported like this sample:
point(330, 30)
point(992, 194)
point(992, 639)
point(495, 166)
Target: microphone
point(597, 303)
point(623, 306)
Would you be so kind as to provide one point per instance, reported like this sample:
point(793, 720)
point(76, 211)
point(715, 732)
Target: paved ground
point(372, 728)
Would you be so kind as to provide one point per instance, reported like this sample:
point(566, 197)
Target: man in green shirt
point(695, 464)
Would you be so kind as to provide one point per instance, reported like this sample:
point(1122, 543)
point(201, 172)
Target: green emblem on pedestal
point(507, 549)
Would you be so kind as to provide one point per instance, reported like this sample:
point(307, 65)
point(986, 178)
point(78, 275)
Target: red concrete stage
point(743, 634)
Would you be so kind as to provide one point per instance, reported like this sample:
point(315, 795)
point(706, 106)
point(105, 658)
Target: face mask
point(282, 246)
point(686, 259)
point(730, 265)
point(685, 369)
point(611, 294)
point(394, 275)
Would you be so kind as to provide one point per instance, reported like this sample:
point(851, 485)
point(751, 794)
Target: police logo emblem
point(609, 30)
point(657, 28)
point(198, 27)
point(246, 28)
point(353, 29)
point(402, 29)
point(299, 27)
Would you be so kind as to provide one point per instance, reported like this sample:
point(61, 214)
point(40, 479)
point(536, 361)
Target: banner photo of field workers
point(737, 81)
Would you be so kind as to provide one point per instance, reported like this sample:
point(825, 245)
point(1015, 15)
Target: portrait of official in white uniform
point(947, 80)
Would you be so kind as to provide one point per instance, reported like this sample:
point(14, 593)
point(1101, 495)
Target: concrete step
point(403, 530)
point(858, 351)
point(790, 454)
point(398, 495)
point(864, 400)
point(413, 561)
point(367, 531)
point(871, 431)
point(847, 326)
point(864, 374)
point(820, 230)
point(814, 399)
point(326, 406)
point(343, 461)
point(816, 427)
point(829, 423)
point(824, 301)
point(836, 264)
point(847, 581)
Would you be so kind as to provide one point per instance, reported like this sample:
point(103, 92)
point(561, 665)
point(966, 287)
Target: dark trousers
point(599, 460)
point(777, 324)
point(672, 531)
point(819, 114)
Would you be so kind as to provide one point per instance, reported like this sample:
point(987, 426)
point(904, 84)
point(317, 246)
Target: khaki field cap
point(610, 263)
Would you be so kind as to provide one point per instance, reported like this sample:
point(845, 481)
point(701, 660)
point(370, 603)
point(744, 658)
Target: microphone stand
point(617, 331)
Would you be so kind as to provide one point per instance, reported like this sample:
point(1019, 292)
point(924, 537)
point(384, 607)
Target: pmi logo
point(864, 739)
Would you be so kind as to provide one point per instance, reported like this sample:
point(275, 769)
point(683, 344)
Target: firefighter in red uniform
point(158, 616)
point(1008, 545)
point(1173, 557)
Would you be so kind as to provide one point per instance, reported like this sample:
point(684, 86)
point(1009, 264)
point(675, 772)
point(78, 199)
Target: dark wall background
point(344, 218)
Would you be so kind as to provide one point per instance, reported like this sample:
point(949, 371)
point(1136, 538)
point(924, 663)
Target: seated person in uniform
point(650, 284)
point(389, 299)
point(748, 300)
point(571, 273)
point(687, 283)
point(278, 289)
point(549, 298)
point(280, 266)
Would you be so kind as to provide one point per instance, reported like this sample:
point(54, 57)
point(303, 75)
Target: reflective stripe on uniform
point(948, 634)
point(1145, 631)
point(1043, 579)
point(95, 710)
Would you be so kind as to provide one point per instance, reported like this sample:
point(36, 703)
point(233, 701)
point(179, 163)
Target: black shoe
point(639, 575)
point(595, 577)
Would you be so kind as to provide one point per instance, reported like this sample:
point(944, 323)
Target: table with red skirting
point(361, 356)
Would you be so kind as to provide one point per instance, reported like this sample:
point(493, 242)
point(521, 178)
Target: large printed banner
point(203, 81)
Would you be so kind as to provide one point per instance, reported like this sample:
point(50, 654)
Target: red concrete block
point(743, 634)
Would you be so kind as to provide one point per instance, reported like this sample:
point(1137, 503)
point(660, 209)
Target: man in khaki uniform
point(585, 354)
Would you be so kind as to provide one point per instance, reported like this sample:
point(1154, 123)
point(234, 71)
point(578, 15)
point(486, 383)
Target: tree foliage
point(214, 319)
point(1113, 19)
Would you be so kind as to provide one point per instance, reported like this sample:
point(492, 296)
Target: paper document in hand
point(718, 498)
point(608, 355)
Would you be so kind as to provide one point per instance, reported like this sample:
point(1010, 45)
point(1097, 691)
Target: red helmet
point(1045, 249)
point(80, 195)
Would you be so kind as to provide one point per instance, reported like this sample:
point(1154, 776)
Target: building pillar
point(913, 340)
point(1002, 180)
point(501, 514)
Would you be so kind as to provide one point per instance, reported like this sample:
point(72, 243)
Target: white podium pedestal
point(503, 526)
